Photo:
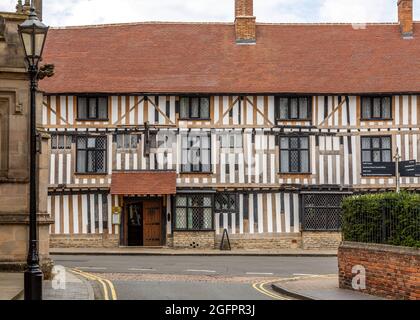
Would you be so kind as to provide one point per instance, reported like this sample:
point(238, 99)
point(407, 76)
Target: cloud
point(80, 12)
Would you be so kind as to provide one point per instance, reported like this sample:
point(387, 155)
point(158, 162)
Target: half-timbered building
point(171, 133)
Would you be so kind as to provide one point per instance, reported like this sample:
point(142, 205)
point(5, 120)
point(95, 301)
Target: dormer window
point(293, 108)
point(92, 108)
point(194, 108)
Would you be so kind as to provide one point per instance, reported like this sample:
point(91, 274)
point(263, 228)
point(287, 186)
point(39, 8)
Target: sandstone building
point(14, 150)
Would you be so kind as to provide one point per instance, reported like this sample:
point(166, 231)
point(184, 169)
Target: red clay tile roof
point(203, 58)
point(143, 183)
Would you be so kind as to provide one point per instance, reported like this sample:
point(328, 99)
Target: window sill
point(195, 119)
point(90, 174)
point(377, 120)
point(200, 230)
point(196, 173)
point(294, 120)
point(294, 173)
point(92, 120)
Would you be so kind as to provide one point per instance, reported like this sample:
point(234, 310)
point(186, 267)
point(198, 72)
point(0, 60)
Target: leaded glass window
point(194, 212)
point(194, 108)
point(91, 154)
point(294, 154)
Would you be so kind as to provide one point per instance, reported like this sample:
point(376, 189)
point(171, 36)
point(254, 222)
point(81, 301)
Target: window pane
point(294, 143)
point(68, 142)
point(92, 108)
point(376, 154)
point(181, 218)
point(386, 156)
point(365, 143)
point(60, 142)
point(207, 201)
point(304, 143)
point(91, 142)
point(81, 143)
point(284, 158)
point(81, 161)
point(207, 218)
point(195, 107)
point(386, 107)
point(376, 143)
point(303, 108)
point(54, 141)
point(304, 160)
point(386, 143)
point(366, 108)
point(205, 108)
point(294, 161)
point(205, 159)
point(377, 108)
point(294, 108)
point(120, 141)
point(127, 141)
point(366, 156)
point(284, 106)
point(103, 108)
point(82, 108)
point(284, 143)
point(134, 140)
point(91, 161)
point(100, 161)
point(181, 201)
point(191, 219)
point(205, 142)
point(184, 106)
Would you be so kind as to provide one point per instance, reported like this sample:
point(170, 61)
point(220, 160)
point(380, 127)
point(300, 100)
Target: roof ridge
point(123, 24)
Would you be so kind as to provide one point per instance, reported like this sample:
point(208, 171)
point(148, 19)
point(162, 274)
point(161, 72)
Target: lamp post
point(33, 34)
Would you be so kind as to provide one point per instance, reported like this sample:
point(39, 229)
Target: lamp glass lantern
point(33, 34)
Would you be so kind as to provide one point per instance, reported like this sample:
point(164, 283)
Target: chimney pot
point(405, 17)
point(245, 22)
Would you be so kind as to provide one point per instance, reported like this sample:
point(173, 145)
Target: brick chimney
point(245, 22)
point(405, 17)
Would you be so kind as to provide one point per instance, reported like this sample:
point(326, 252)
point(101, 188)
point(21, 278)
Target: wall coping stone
point(380, 247)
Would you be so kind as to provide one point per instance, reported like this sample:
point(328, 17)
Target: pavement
point(71, 287)
point(11, 286)
point(318, 288)
point(124, 251)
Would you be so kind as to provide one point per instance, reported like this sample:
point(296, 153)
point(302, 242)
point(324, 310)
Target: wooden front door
point(152, 223)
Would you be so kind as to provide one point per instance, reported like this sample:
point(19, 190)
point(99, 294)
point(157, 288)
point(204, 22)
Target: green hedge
point(387, 218)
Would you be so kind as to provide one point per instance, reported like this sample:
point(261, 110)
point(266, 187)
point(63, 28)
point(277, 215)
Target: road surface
point(195, 277)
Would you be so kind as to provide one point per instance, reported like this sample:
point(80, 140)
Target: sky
point(86, 12)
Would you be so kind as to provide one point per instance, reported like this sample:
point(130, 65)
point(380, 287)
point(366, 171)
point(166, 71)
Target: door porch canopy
point(144, 183)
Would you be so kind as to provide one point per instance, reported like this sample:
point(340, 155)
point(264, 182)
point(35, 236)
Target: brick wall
point(321, 240)
point(84, 241)
point(193, 240)
point(263, 241)
point(391, 272)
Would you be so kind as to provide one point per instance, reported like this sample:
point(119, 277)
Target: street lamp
point(33, 34)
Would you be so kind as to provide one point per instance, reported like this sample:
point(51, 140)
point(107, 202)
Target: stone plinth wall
point(193, 240)
point(391, 272)
point(321, 240)
point(84, 241)
point(263, 241)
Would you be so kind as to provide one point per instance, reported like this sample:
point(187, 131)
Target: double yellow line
point(260, 288)
point(105, 283)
